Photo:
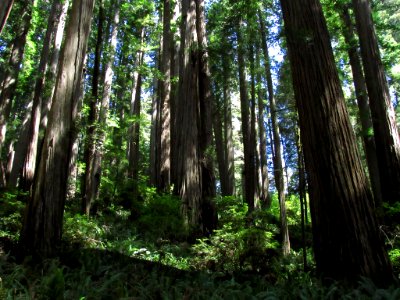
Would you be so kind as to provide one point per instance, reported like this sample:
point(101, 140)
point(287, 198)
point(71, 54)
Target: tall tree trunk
point(155, 133)
point(90, 180)
point(363, 104)
point(155, 141)
point(253, 144)
point(189, 170)
point(175, 73)
point(277, 155)
point(76, 142)
point(94, 171)
point(302, 196)
point(246, 128)
point(105, 97)
point(209, 214)
point(11, 74)
point(134, 138)
point(5, 9)
point(156, 118)
point(264, 192)
point(165, 157)
point(29, 163)
point(53, 65)
point(195, 178)
point(73, 170)
point(42, 226)
point(220, 148)
point(228, 131)
point(17, 155)
point(134, 130)
point(386, 134)
point(347, 243)
point(121, 75)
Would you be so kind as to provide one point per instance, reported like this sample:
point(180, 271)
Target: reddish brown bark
point(347, 243)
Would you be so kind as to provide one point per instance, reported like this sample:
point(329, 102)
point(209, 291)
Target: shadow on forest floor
point(100, 274)
point(108, 256)
point(80, 273)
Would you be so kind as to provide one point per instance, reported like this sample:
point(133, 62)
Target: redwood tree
point(362, 102)
point(165, 155)
point(195, 181)
point(91, 179)
point(42, 226)
point(29, 163)
point(10, 76)
point(277, 148)
point(347, 243)
point(384, 120)
point(249, 171)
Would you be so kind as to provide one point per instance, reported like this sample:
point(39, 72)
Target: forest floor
point(109, 256)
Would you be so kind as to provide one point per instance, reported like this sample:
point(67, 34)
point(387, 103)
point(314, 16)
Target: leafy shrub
point(160, 218)
point(84, 230)
point(394, 255)
point(10, 214)
point(243, 242)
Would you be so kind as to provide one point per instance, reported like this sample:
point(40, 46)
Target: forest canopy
point(223, 149)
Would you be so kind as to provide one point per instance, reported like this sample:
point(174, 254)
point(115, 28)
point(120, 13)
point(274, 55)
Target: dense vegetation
point(107, 256)
point(199, 149)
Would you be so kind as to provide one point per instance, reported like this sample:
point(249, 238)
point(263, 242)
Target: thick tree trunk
point(175, 73)
point(155, 140)
point(17, 155)
point(302, 196)
point(76, 142)
point(209, 214)
point(347, 243)
point(253, 146)
point(265, 197)
point(386, 134)
point(42, 226)
point(194, 176)
point(363, 105)
point(220, 148)
point(248, 171)
point(93, 172)
point(156, 117)
point(118, 136)
point(91, 178)
point(53, 66)
point(228, 131)
point(9, 83)
point(107, 84)
point(134, 130)
point(165, 157)
point(5, 9)
point(134, 138)
point(277, 156)
point(29, 164)
point(189, 170)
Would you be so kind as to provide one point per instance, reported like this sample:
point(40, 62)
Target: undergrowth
point(109, 256)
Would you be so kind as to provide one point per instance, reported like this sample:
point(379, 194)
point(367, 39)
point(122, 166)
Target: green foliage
point(84, 230)
point(394, 255)
point(160, 217)
point(92, 275)
point(391, 210)
point(109, 257)
point(53, 285)
point(10, 214)
point(244, 242)
point(392, 235)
